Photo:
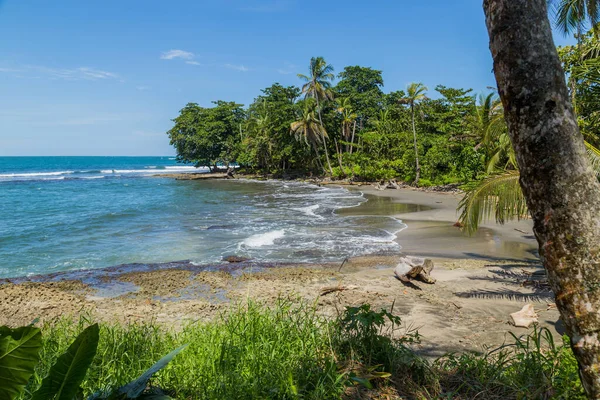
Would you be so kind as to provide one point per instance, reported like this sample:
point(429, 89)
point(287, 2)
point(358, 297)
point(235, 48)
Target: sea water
point(68, 213)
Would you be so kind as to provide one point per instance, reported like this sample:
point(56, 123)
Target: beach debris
point(235, 259)
point(230, 173)
point(525, 317)
point(392, 184)
point(410, 268)
point(333, 289)
point(343, 263)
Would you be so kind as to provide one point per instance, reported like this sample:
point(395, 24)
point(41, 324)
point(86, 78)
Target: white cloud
point(172, 54)
point(240, 68)
point(142, 88)
point(193, 62)
point(73, 74)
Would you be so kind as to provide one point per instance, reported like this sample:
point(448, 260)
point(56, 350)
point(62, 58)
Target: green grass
point(290, 352)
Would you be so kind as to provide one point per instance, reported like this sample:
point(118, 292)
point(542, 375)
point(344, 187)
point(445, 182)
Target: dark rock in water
point(235, 259)
point(215, 227)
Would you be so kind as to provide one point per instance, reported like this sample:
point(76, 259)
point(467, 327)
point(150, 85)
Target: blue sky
point(106, 77)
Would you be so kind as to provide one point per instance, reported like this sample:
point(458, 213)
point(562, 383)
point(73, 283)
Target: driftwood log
point(410, 268)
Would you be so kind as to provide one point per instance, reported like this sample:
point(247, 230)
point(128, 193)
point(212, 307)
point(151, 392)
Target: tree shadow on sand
point(526, 282)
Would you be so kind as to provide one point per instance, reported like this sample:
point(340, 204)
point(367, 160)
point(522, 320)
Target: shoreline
point(480, 281)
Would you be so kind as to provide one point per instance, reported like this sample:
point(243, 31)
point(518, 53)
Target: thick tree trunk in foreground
point(562, 192)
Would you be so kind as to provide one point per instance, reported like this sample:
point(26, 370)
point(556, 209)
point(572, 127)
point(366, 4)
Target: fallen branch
point(333, 289)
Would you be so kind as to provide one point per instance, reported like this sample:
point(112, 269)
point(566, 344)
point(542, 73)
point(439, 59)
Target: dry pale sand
point(480, 281)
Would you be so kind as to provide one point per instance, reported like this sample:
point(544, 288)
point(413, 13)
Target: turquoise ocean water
point(68, 213)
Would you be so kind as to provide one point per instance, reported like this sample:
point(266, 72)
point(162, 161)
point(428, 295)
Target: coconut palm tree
point(499, 196)
point(309, 129)
point(348, 119)
point(572, 15)
point(491, 130)
point(415, 93)
point(318, 86)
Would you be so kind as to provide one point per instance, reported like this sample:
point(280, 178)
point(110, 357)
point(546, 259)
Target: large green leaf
point(134, 389)
point(70, 369)
point(497, 196)
point(19, 350)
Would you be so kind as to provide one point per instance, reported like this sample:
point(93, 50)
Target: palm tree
point(415, 93)
point(572, 15)
point(500, 196)
point(348, 119)
point(492, 132)
point(309, 129)
point(318, 86)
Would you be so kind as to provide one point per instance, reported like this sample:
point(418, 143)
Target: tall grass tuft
point(291, 352)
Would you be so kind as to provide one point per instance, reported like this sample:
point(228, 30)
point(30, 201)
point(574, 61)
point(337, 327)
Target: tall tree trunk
point(323, 137)
point(339, 157)
point(319, 163)
point(418, 167)
point(352, 139)
point(561, 190)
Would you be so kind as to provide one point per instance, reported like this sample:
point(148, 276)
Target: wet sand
point(430, 217)
point(481, 280)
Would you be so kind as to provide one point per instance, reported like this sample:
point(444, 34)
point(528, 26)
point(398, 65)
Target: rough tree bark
point(561, 190)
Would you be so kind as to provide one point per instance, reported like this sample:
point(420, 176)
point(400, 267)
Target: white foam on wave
point(35, 174)
point(263, 239)
point(151, 170)
point(187, 168)
point(310, 211)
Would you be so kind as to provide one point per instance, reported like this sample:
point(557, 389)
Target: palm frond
point(498, 196)
point(594, 157)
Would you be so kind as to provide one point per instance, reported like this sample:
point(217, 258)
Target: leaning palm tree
point(318, 86)
point(310, 130)
point(415, 93)
point(499, 196)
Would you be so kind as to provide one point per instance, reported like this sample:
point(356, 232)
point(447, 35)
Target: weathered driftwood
point(525, 317)
point(410, 268)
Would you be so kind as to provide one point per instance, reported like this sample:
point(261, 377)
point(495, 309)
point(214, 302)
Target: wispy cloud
point(68, 74)
point(269, 7)
point(193, 62)
point(142, 88)
point(240, 68)
point(172, 54)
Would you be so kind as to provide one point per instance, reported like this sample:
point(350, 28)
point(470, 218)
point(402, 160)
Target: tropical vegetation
point(285, 352)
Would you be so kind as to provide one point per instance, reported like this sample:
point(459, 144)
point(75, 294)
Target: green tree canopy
point(207, 136)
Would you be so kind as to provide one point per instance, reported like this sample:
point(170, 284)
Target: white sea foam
point(151, 170)
point(35, 174)
point(263, 239)
point(310, 211)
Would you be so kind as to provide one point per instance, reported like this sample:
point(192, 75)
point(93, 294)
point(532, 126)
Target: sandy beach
point(480, 281)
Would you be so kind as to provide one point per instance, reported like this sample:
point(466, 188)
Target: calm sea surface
point(67, 213)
